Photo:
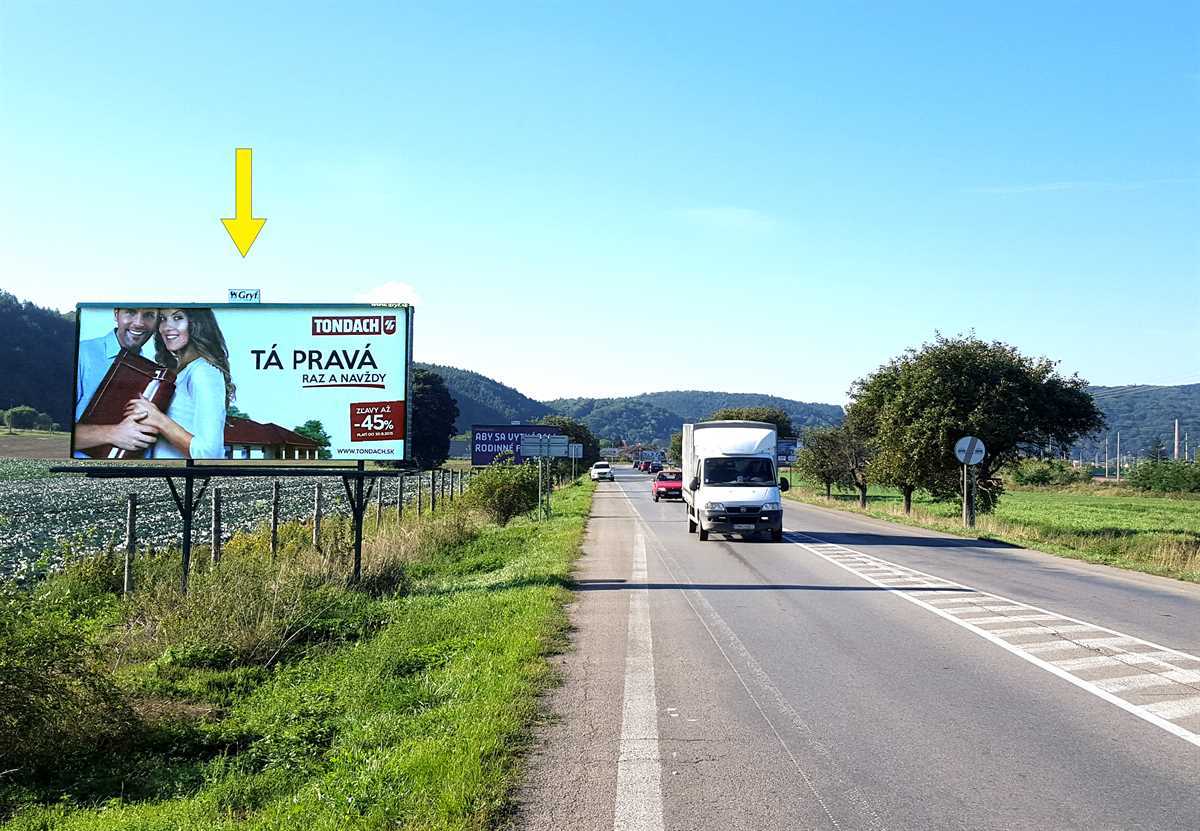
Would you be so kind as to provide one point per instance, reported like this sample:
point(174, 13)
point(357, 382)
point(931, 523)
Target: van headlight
point(714, 506)
point(772, 506)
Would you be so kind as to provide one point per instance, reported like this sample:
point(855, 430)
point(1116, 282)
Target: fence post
point(432, 491)
point(274, 517)
point(379, 501)
point(400, 498)
point(419, 480)
point(316, 537)
point(216, 524)
point(130, 541)
point(452, 484)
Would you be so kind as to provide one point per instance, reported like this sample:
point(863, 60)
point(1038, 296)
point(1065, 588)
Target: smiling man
point(133, 328)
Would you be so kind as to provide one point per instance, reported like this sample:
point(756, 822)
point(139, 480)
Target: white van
point(730, 483)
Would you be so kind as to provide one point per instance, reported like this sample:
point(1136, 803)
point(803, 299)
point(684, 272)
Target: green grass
point(1156, 535)
point(417, 725)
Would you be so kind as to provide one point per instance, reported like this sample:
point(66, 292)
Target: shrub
point(1166, 477)
point(1048, 473)
point(503, 491)
point(58, 701)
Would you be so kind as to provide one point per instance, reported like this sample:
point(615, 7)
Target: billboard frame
point(406, 460)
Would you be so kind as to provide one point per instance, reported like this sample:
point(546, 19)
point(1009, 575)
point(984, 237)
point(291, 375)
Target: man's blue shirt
point(95, 357)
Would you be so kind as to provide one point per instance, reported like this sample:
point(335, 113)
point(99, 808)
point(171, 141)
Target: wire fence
point(45, 518)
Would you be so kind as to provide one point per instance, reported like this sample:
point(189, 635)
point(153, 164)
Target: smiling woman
point(190, 342)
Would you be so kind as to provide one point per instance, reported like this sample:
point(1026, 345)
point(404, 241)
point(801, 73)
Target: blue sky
point(618, 199)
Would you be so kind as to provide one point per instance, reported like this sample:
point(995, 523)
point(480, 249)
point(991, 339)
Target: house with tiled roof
point(247, 439)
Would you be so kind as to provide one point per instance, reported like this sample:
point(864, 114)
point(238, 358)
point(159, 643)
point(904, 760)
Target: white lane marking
point(1146, 680)
point(727, 638)
point(639, 767)
point(1160, 714)
point(1178, 708)
point(1083, 643)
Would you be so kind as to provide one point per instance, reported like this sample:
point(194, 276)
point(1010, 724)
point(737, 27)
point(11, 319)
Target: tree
point(21, 416)
point(43, 422)
point(820, 459)
point(771, 415)
point(315, 430)
point(915, 409)
point(854, 447)
point(675, 450)
point(906, 450)
point(433, 415)
point(233, 411)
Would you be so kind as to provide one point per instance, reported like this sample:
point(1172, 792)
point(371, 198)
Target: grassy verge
point(401, 703)
point(1155, 535)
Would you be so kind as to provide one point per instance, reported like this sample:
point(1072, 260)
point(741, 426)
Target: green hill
point(484, 401)
point(1145, 414)
point(35, 348)
point(621, 419)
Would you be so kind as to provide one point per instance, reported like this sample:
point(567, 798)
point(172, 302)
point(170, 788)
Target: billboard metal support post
point(432, 492)
point(187, 508)
point(400, 500)
point(358, 506)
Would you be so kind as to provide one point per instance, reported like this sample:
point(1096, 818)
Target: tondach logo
point(354, 325)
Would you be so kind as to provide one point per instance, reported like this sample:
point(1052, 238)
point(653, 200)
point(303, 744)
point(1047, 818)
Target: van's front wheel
point(703, 534)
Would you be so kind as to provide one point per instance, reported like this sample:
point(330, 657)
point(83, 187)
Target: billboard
point(490, 440)
point(785, 451)
point(242, 381)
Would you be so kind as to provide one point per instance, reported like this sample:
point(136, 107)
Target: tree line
point(904, 419)
point(24, 417)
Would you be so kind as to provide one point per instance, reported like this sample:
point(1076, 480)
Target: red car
point(667, 485)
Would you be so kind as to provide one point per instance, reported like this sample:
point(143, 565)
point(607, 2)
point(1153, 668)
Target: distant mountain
point(617, 419)
point(484, 401)
point(1144, 414)
point(695, 405)
point(35, 353)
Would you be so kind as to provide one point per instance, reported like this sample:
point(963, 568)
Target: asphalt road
point(862, 675)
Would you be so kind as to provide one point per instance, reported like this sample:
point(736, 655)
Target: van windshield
point(739, 471)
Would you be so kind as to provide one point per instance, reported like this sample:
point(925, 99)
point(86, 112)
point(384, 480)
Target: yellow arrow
point(243, 228)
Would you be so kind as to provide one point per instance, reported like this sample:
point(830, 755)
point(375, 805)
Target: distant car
point(644, 467)
point(667, 485)
point(602, 470)
point(655, 467)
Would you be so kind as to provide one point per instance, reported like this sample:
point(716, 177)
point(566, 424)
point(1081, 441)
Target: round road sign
point(970, 450)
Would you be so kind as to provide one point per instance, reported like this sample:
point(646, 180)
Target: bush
point(503, 491)
point(1166, 477)
point(1048, 473)
point(58, 702)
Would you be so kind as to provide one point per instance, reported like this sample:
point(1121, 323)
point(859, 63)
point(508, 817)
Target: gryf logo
point(354, 325)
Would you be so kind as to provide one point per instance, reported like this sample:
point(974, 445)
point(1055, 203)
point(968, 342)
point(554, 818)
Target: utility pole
point(1176, 456)
point(1118, 455)
point(1106, 456)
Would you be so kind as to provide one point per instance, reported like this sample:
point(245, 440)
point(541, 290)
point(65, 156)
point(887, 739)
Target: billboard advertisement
point(785, 451)
point(490, 440)
point(242, 381)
